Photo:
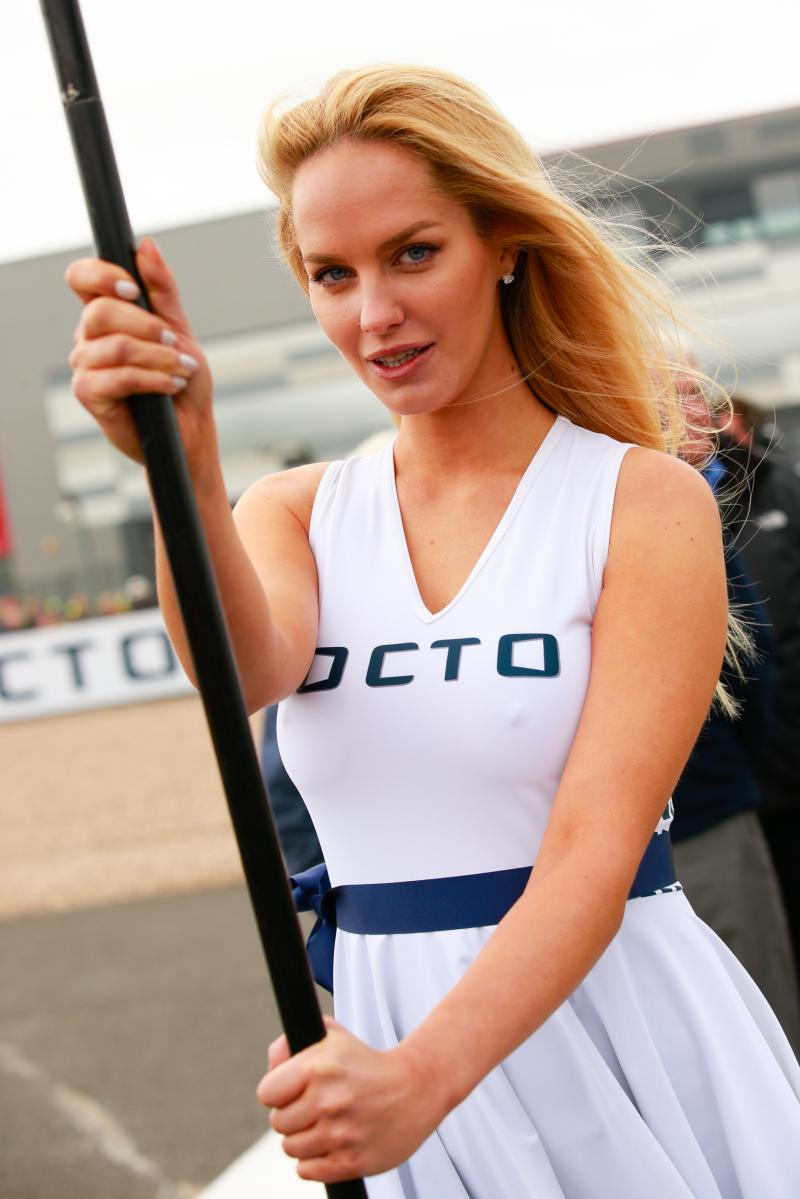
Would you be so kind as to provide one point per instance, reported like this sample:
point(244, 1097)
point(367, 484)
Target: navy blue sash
point(430, 905)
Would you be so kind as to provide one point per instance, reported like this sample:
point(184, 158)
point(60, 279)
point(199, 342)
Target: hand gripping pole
point(200, 605)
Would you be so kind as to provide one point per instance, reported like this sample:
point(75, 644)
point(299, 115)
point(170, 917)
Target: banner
point(87, 664)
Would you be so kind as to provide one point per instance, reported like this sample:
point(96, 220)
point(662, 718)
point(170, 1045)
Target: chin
point(417, 401)
point(411, 407)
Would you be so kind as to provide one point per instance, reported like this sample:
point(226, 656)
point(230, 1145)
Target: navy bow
point(311, 892)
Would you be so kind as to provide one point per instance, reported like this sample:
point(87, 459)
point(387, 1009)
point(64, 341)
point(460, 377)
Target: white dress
point(665, 1075)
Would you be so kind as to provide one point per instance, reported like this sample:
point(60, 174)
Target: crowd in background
point(34, 612)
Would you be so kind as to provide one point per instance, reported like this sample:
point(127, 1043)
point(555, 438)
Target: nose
point(380, 308)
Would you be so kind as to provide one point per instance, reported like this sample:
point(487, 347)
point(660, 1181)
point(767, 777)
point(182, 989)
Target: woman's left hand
point(346, 1110)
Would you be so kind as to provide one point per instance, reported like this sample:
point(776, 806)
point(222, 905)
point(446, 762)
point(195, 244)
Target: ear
point(508, 259)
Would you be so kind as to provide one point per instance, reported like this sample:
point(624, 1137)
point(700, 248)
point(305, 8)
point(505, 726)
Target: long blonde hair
point(594, 333)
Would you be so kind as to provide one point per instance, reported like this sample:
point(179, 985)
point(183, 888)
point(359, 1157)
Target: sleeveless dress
point(429, 745)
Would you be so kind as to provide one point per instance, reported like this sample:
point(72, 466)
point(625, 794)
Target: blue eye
point(330, 275)
point(417, 254)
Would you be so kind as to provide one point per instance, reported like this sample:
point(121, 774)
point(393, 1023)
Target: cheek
point(470, 303)
point(337, 323)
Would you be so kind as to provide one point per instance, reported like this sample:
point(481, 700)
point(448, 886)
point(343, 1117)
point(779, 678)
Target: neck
point(491, 436)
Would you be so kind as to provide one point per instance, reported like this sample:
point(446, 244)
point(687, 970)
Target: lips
point(399, 361)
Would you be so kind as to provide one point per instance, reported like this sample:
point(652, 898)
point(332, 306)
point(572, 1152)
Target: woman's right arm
point(261, 557)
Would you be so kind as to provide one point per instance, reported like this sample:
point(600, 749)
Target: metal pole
point(196, 589)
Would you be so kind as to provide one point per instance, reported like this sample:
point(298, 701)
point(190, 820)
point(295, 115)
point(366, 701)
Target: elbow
point(596, 882)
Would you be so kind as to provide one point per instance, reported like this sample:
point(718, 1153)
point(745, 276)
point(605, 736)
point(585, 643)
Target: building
point(77, 516)
point(78, 511)
point(728, 194)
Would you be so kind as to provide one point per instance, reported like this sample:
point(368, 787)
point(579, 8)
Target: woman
point(519, 613)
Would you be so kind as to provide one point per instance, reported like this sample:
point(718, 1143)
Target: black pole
point(195, 586)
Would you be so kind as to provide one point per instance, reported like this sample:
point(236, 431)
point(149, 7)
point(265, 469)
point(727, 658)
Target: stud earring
point(508, 277)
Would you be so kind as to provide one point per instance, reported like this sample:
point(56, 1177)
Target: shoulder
point(652, 482)
point(664, 510)
point(294, 490)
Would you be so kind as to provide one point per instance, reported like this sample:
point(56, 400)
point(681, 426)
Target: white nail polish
point(168, 338)
point(178, 383)
point(189, 363)
point(126, 290)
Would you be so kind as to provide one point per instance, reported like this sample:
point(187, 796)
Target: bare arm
point(266, 576)
point(657, 645)
point(261, 557)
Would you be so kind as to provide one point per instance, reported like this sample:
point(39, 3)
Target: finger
point(295, 1117)
point(100, 391)
point(337, 1167)
point(91, 277)
point(104, 315)
point(162, 288)
point(120, 349)
point(283, 1085)
point(278, 1052)
point(319, 1141)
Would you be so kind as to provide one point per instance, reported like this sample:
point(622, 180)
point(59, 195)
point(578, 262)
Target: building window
point(777, 197)
point(728, 213)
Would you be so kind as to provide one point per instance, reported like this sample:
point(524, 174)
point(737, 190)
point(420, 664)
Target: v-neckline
point(542, 453)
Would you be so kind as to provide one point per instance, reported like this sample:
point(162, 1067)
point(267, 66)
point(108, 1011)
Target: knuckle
point(330, 1106)
point(324, 1068)
point(121, 347)
point(341, 1138)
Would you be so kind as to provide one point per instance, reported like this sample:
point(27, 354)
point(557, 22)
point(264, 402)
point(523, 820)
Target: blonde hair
point(588, 326)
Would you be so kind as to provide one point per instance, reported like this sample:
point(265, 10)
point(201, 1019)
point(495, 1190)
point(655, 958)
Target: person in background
point(762, 509)
point(721, 854)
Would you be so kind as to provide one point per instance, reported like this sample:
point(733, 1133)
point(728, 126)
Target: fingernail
point(168, 338)
point(178, 383)
point(126, 290)
point(189, 363)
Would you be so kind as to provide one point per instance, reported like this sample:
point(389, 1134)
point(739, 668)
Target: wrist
point(431, 1076)
point(204, 463)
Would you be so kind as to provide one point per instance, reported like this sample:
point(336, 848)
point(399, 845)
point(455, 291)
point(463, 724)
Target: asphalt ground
point(135, 1010)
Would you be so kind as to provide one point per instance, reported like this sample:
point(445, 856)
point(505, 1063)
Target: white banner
point(94, 663)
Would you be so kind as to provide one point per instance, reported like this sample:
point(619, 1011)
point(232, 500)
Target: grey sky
point(184, 81)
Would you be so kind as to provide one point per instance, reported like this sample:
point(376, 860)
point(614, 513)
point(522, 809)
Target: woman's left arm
point(657, 643)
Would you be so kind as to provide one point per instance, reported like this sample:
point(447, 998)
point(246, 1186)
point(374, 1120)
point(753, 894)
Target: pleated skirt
point(665, 1075)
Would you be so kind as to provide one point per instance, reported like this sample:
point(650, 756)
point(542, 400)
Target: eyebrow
point(389, 244)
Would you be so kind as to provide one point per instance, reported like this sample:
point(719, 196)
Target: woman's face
point(399, 279)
